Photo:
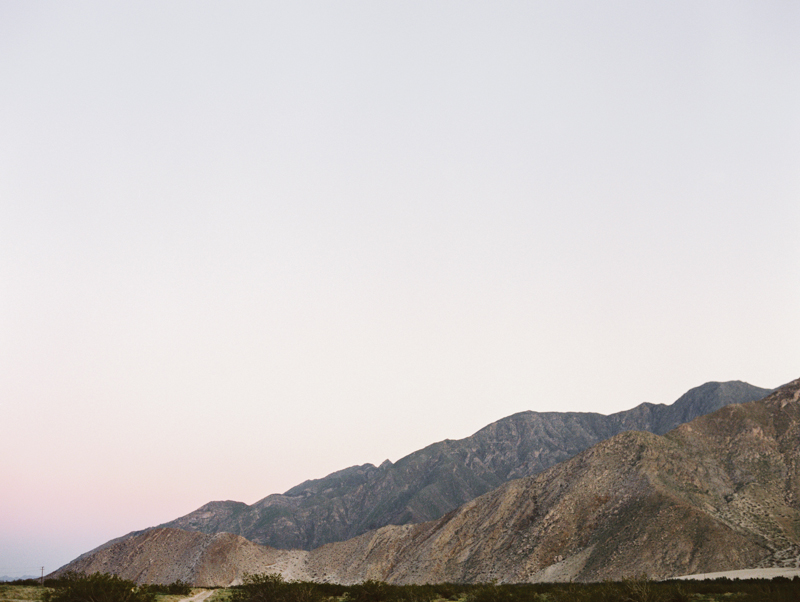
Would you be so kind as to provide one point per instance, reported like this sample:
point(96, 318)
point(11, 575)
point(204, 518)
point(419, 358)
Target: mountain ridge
point(440, 477)
point(721, 492)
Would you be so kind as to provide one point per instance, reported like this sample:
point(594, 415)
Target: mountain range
point(428, 483)
point(719, 493)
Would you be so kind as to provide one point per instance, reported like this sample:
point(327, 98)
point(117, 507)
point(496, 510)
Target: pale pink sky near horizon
point(247, 244)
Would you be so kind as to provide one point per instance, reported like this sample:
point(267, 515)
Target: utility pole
point(41, 582)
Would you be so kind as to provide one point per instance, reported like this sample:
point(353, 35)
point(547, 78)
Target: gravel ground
point(747, 574)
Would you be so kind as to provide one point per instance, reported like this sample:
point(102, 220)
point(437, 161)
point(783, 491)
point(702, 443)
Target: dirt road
point(199, 596)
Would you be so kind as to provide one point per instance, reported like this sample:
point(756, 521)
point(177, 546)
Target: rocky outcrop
point(427, 484)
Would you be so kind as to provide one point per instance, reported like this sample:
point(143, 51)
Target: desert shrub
point(371, 591)
point(176, 588)
point(272, 588)
point(675, 592)
point(449, 591)
point(331, 590)
point(490, 593)
point(98, 587)
point(572, 593)
point(411, 593)
point(642, 589)
point(505, 593)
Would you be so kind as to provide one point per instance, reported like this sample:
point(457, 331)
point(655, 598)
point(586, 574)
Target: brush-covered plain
point(101, 587)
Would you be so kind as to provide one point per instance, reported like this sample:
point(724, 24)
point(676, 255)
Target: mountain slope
point(430, 482)
point(167, 555)
point(719, 493)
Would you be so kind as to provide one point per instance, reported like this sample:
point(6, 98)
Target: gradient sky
point(246, 244)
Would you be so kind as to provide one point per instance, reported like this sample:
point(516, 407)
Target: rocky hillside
point(427, 484)
point(719, 493)
point(168, 555)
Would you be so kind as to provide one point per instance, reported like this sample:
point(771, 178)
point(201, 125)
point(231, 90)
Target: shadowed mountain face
point(428, 483)
point(719, 493)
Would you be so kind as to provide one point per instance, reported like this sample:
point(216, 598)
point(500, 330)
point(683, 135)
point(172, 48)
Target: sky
point(246, 244)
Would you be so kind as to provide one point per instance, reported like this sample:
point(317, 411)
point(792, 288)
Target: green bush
point(372, 591)
point(378, 591)
point(272, 588)
point(98, 587)
point(176, 588)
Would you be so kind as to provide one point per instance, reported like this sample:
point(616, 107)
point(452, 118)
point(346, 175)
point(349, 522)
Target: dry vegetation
point(27, 593)
point(273, 589)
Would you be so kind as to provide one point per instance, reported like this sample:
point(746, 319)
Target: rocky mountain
point(428, 483)
point(719, 493)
